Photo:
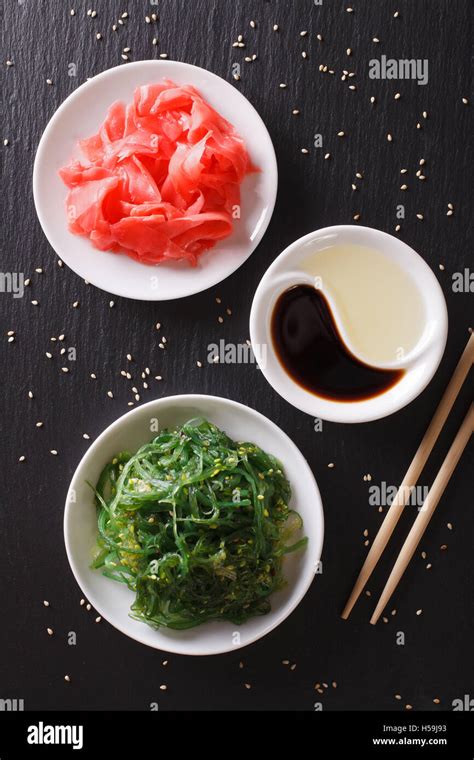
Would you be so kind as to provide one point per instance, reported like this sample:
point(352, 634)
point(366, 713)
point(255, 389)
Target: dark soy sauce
point(312, 352)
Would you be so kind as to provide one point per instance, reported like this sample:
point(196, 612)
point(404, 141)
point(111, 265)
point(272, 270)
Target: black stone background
point(109, 671)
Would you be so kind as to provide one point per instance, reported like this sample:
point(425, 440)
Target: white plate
point(112, 600)
point(81, 115)
point(419, 371)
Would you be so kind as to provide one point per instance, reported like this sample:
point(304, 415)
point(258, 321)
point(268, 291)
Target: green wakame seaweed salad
point(197, 526)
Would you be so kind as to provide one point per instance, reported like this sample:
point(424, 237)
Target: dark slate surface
point(107, 670)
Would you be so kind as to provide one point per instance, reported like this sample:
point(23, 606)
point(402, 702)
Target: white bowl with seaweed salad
point(204, 535)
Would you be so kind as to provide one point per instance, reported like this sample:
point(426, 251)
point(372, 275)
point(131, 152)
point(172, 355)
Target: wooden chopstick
point(413, 473)
point(424, 516)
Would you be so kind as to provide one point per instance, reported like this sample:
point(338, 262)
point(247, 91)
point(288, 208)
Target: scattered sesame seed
point(6, 142)
point(199, 364)
point(449, 212)
point(349, 51)
point(341, 134)
point(443, 547)
point(334, 685)
point(449, 526)
point(111, 304)
point(403, 187)
point(408, 707)
point(163, 687)
point(282, 86)
point(397, 228)
point(46, 603)
point(98, 36)
point(98, 619)
point(67, 679)
point(398, 696)
point(436, 701)
point(423, 555)
point(396, 14)
point(49, 631)
point(397, 96)
point(372, 99)
point(88, 607)
point(429, 566)
point(72, 12)
point(319, 37)
point(420, 216)
point(385, 619)
point(331, 465)
point(247, 686)
point(82, 602)
point(49, 81)
point(54, 452)
point(350, 10)
point(356, 217)
point(389, 137)
point(276, 27)
point(110, 394)
point(327, 156)
point(425, 114)
point(441, 266)
point(375, 39)
point(418, 612)
point(305, 151)
point(465, 101)
point(75, 305)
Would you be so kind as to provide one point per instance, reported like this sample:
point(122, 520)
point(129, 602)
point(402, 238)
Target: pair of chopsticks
point(409, 481)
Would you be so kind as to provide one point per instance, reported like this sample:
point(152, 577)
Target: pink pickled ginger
point(160, 181)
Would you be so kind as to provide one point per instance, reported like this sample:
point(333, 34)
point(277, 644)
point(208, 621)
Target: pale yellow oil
point(377, 302)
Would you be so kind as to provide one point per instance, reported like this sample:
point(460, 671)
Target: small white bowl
point(420, 364)
point(113, 600)
point(80, 116)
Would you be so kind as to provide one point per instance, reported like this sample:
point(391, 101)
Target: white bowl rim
point(346, 412)
point(316, 549)
point(255, 239)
